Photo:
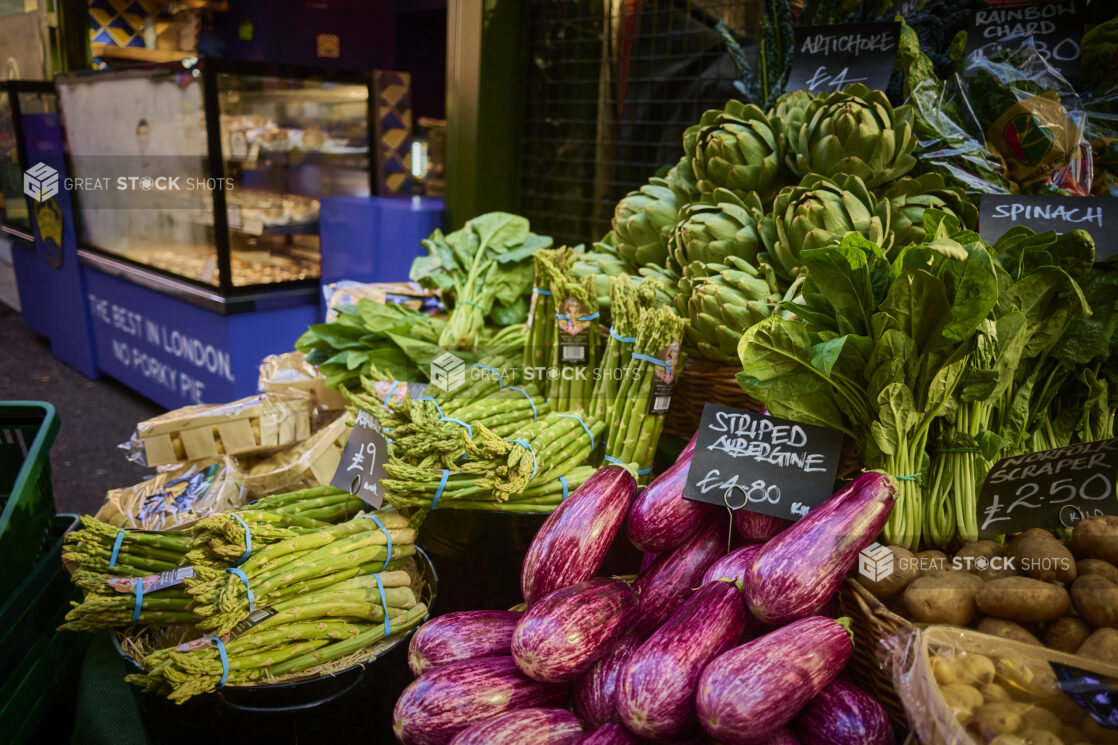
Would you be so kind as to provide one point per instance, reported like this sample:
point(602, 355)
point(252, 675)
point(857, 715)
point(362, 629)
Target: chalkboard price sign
point(829, 58)
point(362, 464)
point(1049, 489)
point(746, 460)
point(1097, 215)
point(1055, 28)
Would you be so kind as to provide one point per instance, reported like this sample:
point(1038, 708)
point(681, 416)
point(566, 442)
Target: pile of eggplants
point(700, 648)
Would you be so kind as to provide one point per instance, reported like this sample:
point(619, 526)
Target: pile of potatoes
point(1034, 588)
point(1006, 701)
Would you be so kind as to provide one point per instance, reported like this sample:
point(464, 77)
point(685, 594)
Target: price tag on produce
point(1055, 28)
point(362, 464)
point(1049, 489)
point(829, 58)
point(746, 460)
point(1097, 215)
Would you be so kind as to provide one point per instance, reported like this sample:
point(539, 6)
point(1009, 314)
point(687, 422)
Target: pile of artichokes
point(723, 230)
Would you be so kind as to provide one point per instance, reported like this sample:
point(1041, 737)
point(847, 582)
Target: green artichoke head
point(854, 131)
point(787, 115)
point(721, 306)
point(909, 198)
point(681, 178)
point(643, 220)
point(820, 211)
point(722, 225)
point(735, 148)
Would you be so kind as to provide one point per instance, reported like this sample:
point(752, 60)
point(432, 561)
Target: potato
point(1101, 645)
point(1042, 556)
point(931, 561)
point(1015, 674)
point(1040, 718)
point(904, 571)
point(963, 700)
point(943, 670)
point(1097, 566)
point(1040, 737)
point(1096, 599)
point(1096, 538)
point(975, 559)
point(1008, 740)
point(994, 692)
point(1007, 630)
point(1071, 734)
point(999, 718)
point(1023, 599)
point(974, 670)
point(1066, 634)
point(1094, 732)
point(942, 597)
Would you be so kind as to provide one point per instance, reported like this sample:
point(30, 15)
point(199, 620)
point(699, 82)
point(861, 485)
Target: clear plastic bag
point(290, 374)
point(962, 687)
point(176, 497)
point(310, 463)
point(346, 292)
point(1102, 131)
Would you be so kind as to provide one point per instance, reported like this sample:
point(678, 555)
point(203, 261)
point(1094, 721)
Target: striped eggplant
point(563, 633)
point(610, 734)
point(536, 726)
point(573, 541)
point(665, 585)
point(656, 687)
point(595, 691)
point(797, 572)
point(660, 518)
point(757, 526)
point(647, 560)
point(781, 737)
point(844, 714)
point(733, 565)
point(748, 693)
point(445, 701)
point(461, 636)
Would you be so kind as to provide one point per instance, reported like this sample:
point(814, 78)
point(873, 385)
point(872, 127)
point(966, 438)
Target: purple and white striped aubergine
point(733, 565)
point(797, 572)
point(757, 526)
point(647, 560)
point(781, 737)
point(445, 701)
point(564, 632)
point(610, 734)
point(595, 691)
point(656, 687)
point(665, 585)
point(573, 541)
point(660, 518)
point(465, 635)
point(536, 726)
point(748, 693)
point(844, 714)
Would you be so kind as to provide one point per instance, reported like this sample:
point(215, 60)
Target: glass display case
point(209, 173)
point(17, 98)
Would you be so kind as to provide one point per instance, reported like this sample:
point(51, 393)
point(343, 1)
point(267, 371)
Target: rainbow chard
point(797, 572)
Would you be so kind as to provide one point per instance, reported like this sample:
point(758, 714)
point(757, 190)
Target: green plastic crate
point(27, 430)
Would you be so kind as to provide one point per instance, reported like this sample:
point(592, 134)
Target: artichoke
point(787, 115)
point(720, 226)
point(854, 131)
point(910, 197)
point(682, 179)
point(601, 264)
point(644, 219)
point(818, 212)
point(720, 307)
point(735, 148)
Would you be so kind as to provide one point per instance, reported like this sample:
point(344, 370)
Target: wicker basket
point(872, 624)
point(704, 382)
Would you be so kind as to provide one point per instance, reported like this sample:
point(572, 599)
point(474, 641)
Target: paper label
point(663, 380)
point(574, 334)
point(829, 58)
point(152, 582)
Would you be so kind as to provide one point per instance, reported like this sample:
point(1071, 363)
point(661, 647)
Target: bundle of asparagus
point(102, 548)
point(644, 394)
point(574, 349)
point(628, 304)
point(550, 266)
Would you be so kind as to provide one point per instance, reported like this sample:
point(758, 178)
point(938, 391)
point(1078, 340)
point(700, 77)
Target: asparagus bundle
point(139, 553)
point(655, 363)
point(550, 265)
point(111, 602)
point(507, 341)
point(574, 350)
point(628, 304)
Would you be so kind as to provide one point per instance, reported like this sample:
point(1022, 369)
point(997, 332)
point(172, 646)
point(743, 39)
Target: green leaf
point(355, 359)
point(975, 293)
point(917, 306)
point(337, 336)
point(497, 231)
point(842, 274)
point(897, 416)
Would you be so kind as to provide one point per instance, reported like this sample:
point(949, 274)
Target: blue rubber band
point(384, 606)
point(644, 471)
point(388, 537)
point(653, 360)
point(439, 491)
point(500, 380)
point(471, 302)
point(116, 548)
point(566, 488)
point(587, 429)
point(535, 465)
point(913, 477)
point(459, 422)
point(622, 339)
point(391, 391)
point(539, 291)
point(436, 403)
point(565, 317)
point(535, 413)
point(224, 660)
point(614, 461)
point(244, 578)
point(248, 540)
point(139, 589)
